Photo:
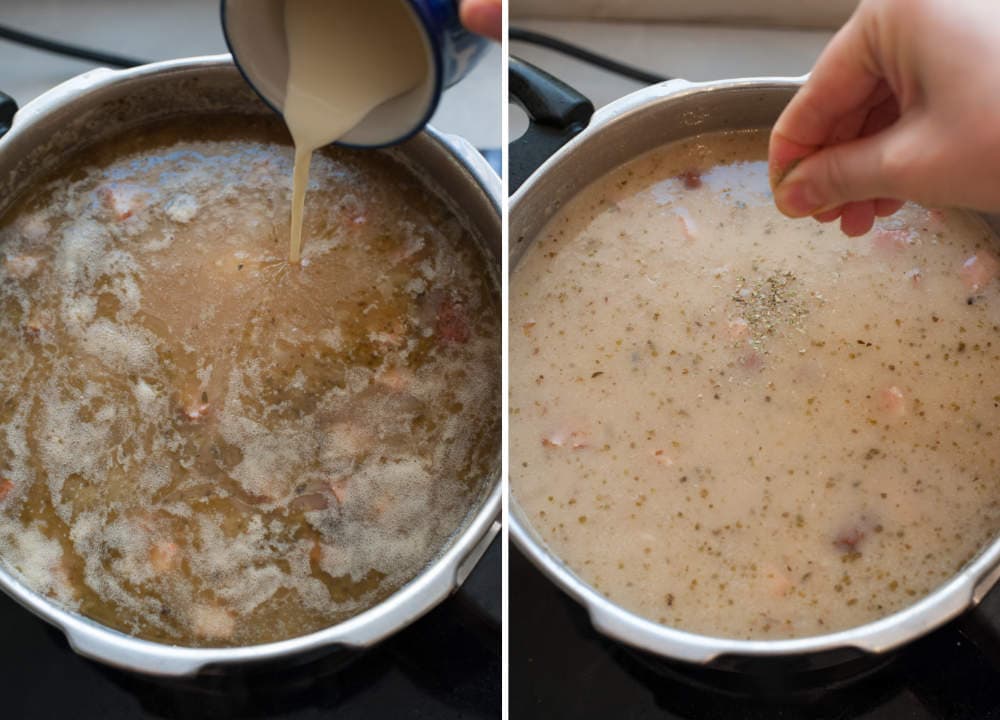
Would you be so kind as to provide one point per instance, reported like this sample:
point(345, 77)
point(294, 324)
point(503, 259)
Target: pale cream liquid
point(339, 71)
point(747, 426)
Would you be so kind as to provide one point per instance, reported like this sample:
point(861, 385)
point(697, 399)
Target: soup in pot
point(202, 444)
point(746, 426)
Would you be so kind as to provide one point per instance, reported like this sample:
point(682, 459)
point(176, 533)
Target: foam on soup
point(203, 444)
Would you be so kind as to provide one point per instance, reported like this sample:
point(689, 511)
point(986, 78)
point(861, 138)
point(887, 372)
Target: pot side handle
point(557, 113)
point(472, 558)
point(8, 107)
point(133, 655)
point(981, 624)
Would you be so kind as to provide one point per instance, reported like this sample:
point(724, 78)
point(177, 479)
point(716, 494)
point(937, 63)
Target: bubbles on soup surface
point(200, 444)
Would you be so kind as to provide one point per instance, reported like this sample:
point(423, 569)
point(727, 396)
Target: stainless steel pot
point(617, 133)
point(104, 103)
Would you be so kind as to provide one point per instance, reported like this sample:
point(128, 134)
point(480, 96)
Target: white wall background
point(787, 13)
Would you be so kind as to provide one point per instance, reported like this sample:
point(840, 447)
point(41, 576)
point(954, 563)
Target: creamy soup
point(203, 444)
point(746, 426)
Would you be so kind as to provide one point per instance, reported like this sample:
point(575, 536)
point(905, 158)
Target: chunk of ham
point(777, 581)
point(391, 336)
point(123, 200)
point(851, 535)
point(452, 324)
point(21, 267)
point(738, 329)
point(689, 229)
point(396, 379)
point(752, 361)
point(566, 438)
point(309, 503)
point(691, 179)
point(212, 622)
point(339, 490)
point(662, 458)
point(195, 411)
point(848, 539)
point(891, 241)
point(37, 327)
point(164, 557)
point(980, 270)
point(193, 403)
point(892, 402)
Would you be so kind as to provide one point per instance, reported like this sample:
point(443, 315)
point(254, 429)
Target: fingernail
point(798, 199)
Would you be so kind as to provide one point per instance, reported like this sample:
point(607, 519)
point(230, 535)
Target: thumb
point(859, 169)
point(484, 17)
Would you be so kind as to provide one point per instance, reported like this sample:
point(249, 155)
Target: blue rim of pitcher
point(437, 57)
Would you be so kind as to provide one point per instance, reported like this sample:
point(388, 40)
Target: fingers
point(872, 115)
point(884, 207)
point(845, 79)
point(484, 17)
point(829, 215)
point(857, 218)
point(840, 174)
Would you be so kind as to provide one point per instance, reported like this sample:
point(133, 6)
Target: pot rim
point(442, 576)
point(961, 592)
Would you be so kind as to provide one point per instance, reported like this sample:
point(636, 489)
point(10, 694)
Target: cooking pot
point(588, 148)
point(103, 103)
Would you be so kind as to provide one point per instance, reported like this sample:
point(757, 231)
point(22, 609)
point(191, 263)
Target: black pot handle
point(557, 113)
point(8, 106)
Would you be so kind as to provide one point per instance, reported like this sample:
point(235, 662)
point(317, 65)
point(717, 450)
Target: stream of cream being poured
point(339, 70)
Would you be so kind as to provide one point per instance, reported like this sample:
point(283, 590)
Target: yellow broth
point(201, 444)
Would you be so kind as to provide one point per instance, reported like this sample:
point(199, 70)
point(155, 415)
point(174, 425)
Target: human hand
point(904, 103)
point(483, 16)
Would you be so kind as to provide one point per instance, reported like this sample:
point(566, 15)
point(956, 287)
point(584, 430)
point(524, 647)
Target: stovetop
point(446, 665)
point(562, 668)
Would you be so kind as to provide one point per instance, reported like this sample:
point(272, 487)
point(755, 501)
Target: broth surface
point(205, 445)
point(747, 426)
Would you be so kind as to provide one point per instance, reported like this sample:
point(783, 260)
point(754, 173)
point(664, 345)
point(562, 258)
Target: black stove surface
point(446, 665)
point(562, 668)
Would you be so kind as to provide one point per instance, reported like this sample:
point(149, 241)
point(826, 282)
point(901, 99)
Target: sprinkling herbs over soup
point(746, 426)
point(205, 445)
